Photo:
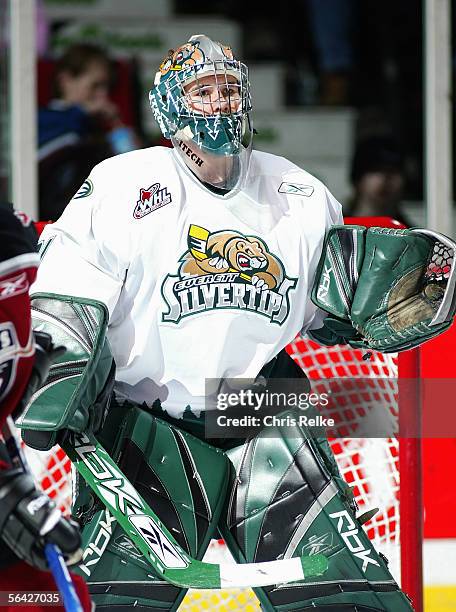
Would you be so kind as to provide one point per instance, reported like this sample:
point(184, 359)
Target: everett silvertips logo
point(151, 199)
point(226, 269)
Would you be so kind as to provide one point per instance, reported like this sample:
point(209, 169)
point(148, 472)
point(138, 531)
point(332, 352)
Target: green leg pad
point(182, 478)
point(284, 502)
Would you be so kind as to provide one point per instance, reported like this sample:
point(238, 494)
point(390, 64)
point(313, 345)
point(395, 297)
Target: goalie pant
point(18, 264)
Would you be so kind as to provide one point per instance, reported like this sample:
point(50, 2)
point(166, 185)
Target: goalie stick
point(54, 557)
point(151, 537)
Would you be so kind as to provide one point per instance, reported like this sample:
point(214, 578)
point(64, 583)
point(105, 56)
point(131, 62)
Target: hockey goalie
point(172, 266)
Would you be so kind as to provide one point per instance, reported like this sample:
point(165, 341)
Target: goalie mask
point(201, 101)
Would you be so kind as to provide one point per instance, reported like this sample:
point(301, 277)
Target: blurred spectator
point(333, 28)
point(378, 179)
point(79, 127)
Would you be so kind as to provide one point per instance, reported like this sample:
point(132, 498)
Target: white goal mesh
point(369, 465)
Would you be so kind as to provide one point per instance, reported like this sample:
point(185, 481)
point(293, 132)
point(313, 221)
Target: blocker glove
point(29, 520)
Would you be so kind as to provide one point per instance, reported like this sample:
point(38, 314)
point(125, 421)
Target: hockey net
point(369, 465)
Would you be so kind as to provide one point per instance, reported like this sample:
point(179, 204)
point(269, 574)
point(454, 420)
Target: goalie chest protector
point(198, 285)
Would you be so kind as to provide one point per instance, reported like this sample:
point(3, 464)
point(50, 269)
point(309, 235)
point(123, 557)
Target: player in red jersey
point(28, 518)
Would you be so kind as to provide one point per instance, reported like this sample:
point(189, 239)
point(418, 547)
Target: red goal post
point(410, 458)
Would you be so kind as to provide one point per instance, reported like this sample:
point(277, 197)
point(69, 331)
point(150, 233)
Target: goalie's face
point(218, 94)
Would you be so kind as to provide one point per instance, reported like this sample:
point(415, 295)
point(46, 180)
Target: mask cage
point(176, 110)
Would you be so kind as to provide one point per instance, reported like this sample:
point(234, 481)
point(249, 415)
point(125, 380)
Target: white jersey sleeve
point(83, 253)
point(333, 210)
point(334, 216)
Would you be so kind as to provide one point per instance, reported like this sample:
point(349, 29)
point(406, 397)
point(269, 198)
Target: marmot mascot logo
point(185, 56)
point(227, 270)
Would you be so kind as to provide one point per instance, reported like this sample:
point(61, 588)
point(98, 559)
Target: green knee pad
point(183, 479)
point(284, 502)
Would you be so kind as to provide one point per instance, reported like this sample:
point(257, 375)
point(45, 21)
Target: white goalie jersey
point(198, 285)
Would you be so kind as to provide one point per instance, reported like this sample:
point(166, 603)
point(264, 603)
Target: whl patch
point(150, 199)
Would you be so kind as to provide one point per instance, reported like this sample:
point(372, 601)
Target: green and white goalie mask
point(201, 101)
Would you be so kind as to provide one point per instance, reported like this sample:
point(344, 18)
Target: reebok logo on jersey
point(13, 286)
point(151, 199)
point(226, 269)
point(296, 189)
